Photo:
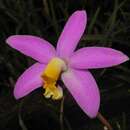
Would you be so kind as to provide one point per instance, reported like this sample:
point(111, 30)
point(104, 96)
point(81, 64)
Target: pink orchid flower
point(65, 63)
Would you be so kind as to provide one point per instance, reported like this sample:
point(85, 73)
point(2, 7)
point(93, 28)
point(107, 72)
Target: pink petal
point(97, 57)
point(29, 80)
point(32, 46)
point(71, 33)
point(83, 88)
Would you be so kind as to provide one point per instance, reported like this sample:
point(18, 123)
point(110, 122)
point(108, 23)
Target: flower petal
point(32, 46)
point(83, 88)
point(29, 80)
point(71, 34)
point(97, 57)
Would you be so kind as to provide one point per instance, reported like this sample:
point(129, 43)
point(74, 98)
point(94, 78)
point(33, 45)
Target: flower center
point(50, 76)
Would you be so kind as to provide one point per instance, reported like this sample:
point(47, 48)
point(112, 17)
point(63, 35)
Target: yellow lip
point(50, 76)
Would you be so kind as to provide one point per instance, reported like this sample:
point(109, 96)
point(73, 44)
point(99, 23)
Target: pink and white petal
point(84, 89)
point(97, 57)
point(71, 33)
point(35, 47)
point(29, 80)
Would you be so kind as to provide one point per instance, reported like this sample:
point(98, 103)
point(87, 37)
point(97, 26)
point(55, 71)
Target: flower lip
point(50, 77)
point(54, 68)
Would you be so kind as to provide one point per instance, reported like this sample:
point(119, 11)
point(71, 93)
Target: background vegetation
point(108, 25)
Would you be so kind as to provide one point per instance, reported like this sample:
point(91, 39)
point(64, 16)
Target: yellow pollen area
point(50, 76)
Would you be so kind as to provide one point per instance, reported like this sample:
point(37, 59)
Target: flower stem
point(104, 121)
point(61, 114)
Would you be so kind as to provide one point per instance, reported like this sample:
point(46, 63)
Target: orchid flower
point(64, 63)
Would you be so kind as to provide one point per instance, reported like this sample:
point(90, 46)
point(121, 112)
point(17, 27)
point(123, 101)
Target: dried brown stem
point(104, 121)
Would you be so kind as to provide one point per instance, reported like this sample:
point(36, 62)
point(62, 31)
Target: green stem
point(61, 114)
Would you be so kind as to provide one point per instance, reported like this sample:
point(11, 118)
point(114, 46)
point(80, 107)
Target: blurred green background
point(108, 25)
